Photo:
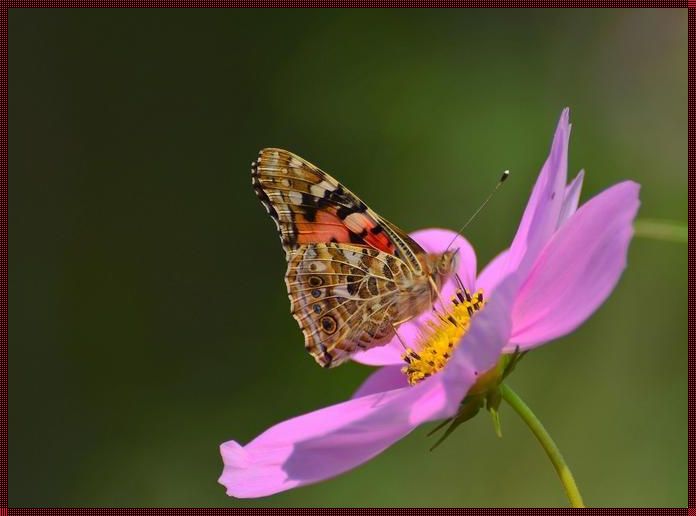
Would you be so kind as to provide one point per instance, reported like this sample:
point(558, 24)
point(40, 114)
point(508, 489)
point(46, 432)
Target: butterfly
point(353, 277)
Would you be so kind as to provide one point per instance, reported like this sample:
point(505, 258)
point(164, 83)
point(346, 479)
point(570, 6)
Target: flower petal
point(329, 441)
point(493, 273)
point(540, 217)
point(432, 241)
point(386, 378)
point(571, 198)
point(387, 355)
point(578, 269)
point(490, 331)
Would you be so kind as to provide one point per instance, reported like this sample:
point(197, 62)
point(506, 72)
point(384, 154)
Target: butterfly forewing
point(310, 206)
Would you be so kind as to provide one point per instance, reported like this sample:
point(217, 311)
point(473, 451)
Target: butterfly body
point(352, 276)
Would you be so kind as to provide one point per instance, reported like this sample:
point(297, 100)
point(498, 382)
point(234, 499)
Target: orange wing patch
point(309, 206)
point(326, 227)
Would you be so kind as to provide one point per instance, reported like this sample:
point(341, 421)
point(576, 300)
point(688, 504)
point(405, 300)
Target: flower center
point(441, 336)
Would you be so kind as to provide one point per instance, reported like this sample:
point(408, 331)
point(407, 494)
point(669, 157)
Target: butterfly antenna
point(483, 205)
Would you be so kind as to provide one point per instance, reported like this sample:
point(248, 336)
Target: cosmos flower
point(563, 262)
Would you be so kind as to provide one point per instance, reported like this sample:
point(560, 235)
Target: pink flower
point(561, 266)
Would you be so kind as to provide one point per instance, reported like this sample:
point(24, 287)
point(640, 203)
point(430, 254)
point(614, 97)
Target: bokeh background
point(149, 317)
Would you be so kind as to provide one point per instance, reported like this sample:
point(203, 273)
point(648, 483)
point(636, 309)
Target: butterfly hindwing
point(309, 206)
point(344, 297)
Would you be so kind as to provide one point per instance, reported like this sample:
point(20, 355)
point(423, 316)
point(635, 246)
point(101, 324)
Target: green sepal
point(510, 362)
point(468, 409)
point(493, 399)
point(484, 392)
point(495, 416)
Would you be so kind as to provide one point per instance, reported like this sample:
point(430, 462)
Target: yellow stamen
point(441, 337)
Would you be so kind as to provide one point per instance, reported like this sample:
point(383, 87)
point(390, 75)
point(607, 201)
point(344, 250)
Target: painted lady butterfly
point(352, 276)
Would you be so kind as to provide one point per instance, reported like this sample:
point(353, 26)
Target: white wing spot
point(353, 257)
point(342, 291)
point(295, 197)
point(317, 190)
point(356, 222)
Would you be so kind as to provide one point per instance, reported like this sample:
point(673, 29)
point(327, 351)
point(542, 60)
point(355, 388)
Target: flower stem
point(670, 231)
point(546, 442)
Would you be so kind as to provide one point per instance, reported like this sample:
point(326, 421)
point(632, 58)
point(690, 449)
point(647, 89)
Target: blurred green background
point(149, 316)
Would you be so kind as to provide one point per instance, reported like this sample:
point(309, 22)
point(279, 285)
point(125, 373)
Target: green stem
point(666, 230)
point(546, 442)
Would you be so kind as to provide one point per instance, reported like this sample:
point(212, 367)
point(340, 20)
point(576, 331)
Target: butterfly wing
point(344, 297)
point(309, 206)
point(352, 275)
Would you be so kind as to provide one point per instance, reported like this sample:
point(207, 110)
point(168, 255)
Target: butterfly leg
point(398, 337)
point(460, 283)
point(439, 297)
